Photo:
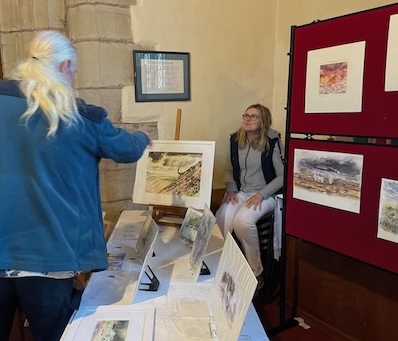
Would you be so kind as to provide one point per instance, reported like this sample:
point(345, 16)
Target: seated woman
point(252, 179)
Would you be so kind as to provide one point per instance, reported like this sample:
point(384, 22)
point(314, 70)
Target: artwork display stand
point(204, 270)
point(154, 282)
point(284, 324)
point(339, 158)
point(319, 128)
point(159, 211)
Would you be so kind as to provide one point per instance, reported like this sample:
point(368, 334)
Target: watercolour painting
point(119, 323)
point(190, 225)
point(388, 211)
point(232, 291)
point(110, 330)
point(328, 178)
point(147, 237)
point(202, 238)
point(175, 173)
point(334, 79)
point(391, 74)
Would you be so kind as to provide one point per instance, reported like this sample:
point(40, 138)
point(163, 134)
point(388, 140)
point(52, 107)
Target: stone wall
point(101, 32)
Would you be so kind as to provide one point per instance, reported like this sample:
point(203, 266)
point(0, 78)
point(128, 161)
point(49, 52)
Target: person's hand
point(230, 197)
point(254, 201)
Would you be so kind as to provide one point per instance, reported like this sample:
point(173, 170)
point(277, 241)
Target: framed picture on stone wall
point(161, 76)
point(175, 173)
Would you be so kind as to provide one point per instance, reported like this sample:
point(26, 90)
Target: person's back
point(50, 209)
point(51, 183)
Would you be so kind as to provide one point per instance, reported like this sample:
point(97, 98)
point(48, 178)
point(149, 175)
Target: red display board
point(378, 116)
point(349, 233)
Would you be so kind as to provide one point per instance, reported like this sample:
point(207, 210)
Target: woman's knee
point(243, 231)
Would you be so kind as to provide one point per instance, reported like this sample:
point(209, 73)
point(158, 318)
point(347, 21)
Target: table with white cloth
point(170, 264)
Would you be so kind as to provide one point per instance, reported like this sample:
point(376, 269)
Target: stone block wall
point(101, 33)
point(19, 20)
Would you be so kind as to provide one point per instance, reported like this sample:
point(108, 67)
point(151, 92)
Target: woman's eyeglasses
point(250, 117)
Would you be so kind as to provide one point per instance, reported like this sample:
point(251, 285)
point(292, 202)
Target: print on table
point(110, 330)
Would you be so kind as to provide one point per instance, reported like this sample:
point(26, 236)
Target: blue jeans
point(47, 304)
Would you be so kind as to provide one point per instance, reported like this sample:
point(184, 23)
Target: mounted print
point(388, 211)
point(175, 173)
point(190, 225)
point(202, 238)
point(328, 178)
point(391, 72)
point(122, 323)
point(335, 78)
point(215, 312)
point(232, 291)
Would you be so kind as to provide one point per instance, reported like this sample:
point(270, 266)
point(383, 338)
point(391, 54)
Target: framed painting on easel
point(175, 173)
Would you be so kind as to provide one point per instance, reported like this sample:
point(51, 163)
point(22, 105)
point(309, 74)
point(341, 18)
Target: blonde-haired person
point(51, 224)
point(253, 176)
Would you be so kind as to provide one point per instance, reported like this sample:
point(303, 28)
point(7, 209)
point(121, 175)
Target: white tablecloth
point(170, 264)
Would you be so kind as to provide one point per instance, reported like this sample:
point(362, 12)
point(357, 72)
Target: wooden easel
point(159, 211)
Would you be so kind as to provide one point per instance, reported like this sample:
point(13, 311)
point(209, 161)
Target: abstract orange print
point(333, 78)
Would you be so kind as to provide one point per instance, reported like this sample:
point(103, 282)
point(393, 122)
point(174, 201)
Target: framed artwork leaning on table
point(175, 173)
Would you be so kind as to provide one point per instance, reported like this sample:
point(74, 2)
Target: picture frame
point(131, 322)
point(161, 76)
point(175, 173)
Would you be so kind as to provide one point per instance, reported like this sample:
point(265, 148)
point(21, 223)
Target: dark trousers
point(47, 304)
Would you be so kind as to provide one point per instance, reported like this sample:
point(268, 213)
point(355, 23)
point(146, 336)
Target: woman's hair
point(43, 83)
point(261, 141)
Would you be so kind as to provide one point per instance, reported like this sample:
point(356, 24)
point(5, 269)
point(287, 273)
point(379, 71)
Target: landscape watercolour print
point(110, 330)
point(388, 211)
point(107, 322)
point(175, 173)
point(190, 225)
point(202, 238)
point(328, 178)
